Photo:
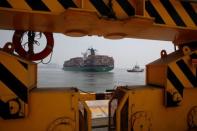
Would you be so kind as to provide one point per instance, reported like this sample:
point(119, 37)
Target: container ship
point(90, 62)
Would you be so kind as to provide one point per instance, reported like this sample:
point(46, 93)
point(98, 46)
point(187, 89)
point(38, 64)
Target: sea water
point(88, 81)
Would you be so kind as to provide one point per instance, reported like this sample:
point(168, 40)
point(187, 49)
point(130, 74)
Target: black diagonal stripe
point(127, 7)
point(175, 81)
point(170, 102)
point(37, 5)
point(187, 72)
point(4, 3)
point(191, 12)
point(172, 12)
point(67, 3)
point(23, 64)
point(13, 83)
point(153, 12)
point(103, 9)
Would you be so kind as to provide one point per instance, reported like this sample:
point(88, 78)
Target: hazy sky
point(126, 52)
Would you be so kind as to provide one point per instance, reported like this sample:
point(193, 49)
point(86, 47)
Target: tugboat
point(90, 62)
point(136, 68)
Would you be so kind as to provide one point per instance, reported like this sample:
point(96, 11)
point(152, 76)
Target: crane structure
point(168, 100)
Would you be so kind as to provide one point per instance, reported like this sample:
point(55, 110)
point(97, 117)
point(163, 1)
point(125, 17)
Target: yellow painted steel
point(157, 70)
point(94, 96)
point(87, 96)
point(150, 107)
point(89, 117)
point(170, 80)
point(59, 6)
point(152, 76)
point(85, 123)
point(160, 67)
point(184, 15)
point(118, 112)
point(174, 72)
point(147, 112)
point(127, 18)
point(19, 76)
point(25, 71)
point(179, 74)
point(185, 72)
point(51, 109)
point(163, 13)
point(178, 9)
point(45, 109)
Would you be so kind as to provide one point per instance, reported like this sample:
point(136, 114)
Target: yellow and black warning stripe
point(17, 89)
point(37, 5)
point(15, 85)
point(190, 10)
point(102, 8)
point(110, 9)
point(180, 76)
point(67, 4)
point(127, 7)
point(5, 109)
point(23, 64)
point(187, 72)
point(153, 12)
point(171, 12)
point(5, 3)
point(175, 81)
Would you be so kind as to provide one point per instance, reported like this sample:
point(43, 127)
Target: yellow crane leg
point(23, 107)
point(168, 101)
point(49, 110)
point(142, 108)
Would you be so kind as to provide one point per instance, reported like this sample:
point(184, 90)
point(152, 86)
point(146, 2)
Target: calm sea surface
point(88, 81)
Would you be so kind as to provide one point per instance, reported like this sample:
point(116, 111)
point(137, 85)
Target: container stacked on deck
point(78, 61)
point(97, 60)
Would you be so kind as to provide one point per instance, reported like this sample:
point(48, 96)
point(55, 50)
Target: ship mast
point(92, 51)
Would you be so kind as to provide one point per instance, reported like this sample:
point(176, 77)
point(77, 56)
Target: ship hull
point(89, 69)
